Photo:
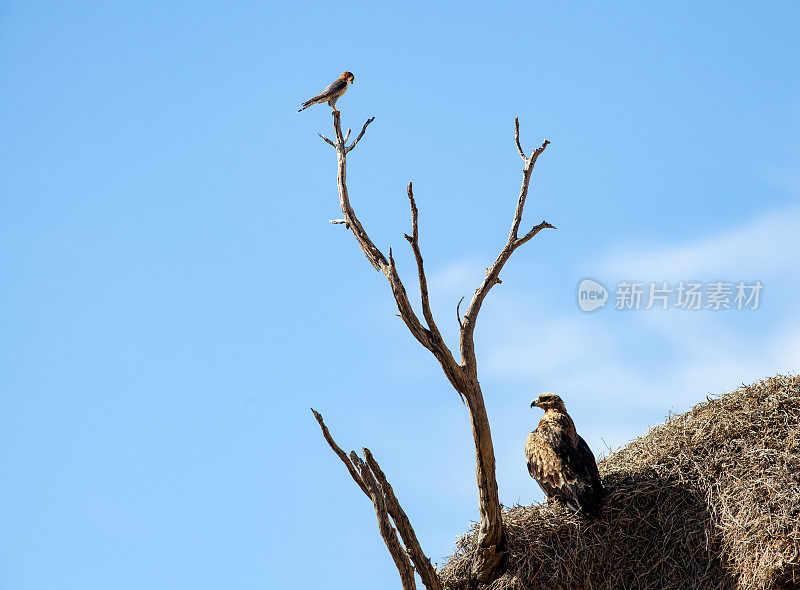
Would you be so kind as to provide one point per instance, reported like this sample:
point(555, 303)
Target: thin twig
point(413, 239)
point(340, 453)
point(360, 135)
point(535, 230)
point(516, 138)
point(523, 194)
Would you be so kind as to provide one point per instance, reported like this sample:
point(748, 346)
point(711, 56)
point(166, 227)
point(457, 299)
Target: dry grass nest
point(709, 499)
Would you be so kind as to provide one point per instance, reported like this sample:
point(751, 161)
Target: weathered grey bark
point(462, 375)
point(370, 478)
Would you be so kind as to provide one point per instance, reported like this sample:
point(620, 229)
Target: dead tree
point(462, 375)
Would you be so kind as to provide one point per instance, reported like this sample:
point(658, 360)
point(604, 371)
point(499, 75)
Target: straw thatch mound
point(710, 499)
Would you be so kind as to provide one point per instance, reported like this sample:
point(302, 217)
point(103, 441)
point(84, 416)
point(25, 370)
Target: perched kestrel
point(332, 93)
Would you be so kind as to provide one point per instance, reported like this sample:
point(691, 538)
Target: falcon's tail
point(310, 102)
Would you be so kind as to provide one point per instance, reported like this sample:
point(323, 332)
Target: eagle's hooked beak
point(534, 404)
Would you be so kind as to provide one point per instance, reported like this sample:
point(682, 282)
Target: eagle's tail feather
point(589, 498)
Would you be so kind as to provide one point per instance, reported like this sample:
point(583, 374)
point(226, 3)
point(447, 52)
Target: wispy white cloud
point(462, 276)
point(533, 348)
point(767, 244)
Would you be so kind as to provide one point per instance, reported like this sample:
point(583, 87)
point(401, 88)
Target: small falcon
point(561, 462)
point(332, 93)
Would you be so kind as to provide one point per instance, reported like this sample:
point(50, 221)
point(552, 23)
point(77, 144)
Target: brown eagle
point(561, 462)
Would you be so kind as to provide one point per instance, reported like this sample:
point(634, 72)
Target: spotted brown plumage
point(332, 93)
point(561, 462)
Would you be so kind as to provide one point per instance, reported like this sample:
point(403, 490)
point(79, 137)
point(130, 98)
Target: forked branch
point(493, 273)
point(370, 478)
point(428, 336)
point(360, 135)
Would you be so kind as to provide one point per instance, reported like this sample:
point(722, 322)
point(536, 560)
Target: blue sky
point(175, 298)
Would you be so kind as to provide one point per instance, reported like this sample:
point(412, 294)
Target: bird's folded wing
point(583, 461)
point(333, 88)
point(545, 462)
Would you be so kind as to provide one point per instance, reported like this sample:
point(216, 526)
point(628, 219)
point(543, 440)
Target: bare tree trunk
point(491, 535)
point(462, 375)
